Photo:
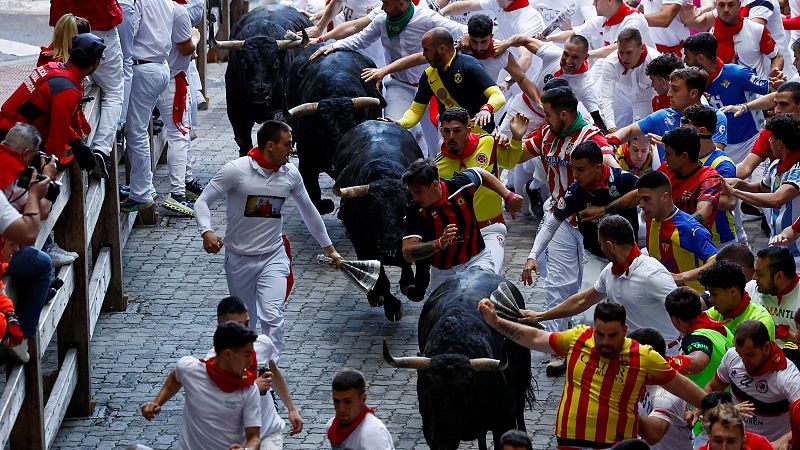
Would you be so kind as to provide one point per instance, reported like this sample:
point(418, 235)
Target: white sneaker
point(20, 351)
point(60, 256)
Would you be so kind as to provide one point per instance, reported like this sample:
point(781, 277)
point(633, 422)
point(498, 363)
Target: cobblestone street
point(174, 286)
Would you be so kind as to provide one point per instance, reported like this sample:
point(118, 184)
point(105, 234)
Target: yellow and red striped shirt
point(599, 403)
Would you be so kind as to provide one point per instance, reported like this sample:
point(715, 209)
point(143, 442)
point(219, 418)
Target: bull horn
point(303, 110)
point(228, 45)
point(366, 102)
point(352, 192)
point(416, 362)
point(488, 364)
point(286, 44)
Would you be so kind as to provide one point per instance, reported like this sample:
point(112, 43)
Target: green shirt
point(753, 311)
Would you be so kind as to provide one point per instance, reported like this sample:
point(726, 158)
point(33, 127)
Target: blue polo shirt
point(731, 87)
point(667, 119)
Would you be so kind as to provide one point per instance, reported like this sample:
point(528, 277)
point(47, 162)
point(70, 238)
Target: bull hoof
point(393, 315)
point(413, 294)
point(375, 301)
point(325, 206)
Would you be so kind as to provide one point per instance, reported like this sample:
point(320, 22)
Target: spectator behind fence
point(67, 27)
point(30, 269)
point(355, 426)
point(269, 376)
point(49, 97)
point(221, 405)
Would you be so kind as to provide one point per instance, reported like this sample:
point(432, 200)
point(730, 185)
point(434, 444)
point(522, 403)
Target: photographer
point(25, 191)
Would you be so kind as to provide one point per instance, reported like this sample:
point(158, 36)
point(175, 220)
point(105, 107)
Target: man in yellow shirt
point(462, 149)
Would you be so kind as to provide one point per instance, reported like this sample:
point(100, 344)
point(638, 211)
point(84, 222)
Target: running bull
point(325, 98)
point(370, 160)
point(263, 48)
point(470, 379)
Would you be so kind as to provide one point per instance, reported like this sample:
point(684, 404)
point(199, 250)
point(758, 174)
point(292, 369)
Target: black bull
point(320, 109)
point(462, 387)
point(369, 162)
point(257, 70)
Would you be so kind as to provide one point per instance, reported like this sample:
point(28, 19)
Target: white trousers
point(109, 77)
point(494, 236)
point(195, 93)
point(626, 111)
point(481, 261)
point(272, 442)
point(592, 266)
point(147, 84)
point(564, 261)
point(260, 281)
point(399, 97)
point(179, 143)
point(737, 152)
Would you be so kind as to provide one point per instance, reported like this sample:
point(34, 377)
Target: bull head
point(422, 363)
point(352, 192)
point(311, 108)
point(292, 40)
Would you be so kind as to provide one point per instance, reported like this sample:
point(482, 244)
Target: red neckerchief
point(704, 321)
point(724, 34)
point(489, 53)
point(14, 165)
point(788, 289)
point(255, 153)
point(623, 12)
point(469, 149)
point(515, 5)
point(182, 2)
point(445, 194)
point(603, 183)
point(784, 164)
point(660, 102)
point(179, 101)
point(743, 303)
point(713, 75)
point(776, 361)
point(618, 269)
point(229, 381)
point(337, 434)
point(625, 70)
point(582, 69)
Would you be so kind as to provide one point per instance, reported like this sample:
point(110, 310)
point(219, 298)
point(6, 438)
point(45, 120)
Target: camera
point(24, 181)
point(263, 368)
point(40, 160)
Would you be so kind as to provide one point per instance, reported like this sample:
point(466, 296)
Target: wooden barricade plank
point(202, 51)
point(62, 391)
point(11, 402)
point(52, 312)
point(108, 234)
point(101, 277)
point(27, 430)
point(94, 201)
point(55, 213)
point(73, 329)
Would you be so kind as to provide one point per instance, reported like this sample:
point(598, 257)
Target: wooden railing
point(85, 219)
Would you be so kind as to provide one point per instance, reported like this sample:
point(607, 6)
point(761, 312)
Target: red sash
point(179, 102)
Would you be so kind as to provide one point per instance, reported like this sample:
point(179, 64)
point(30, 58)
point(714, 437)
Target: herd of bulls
point(470, 380)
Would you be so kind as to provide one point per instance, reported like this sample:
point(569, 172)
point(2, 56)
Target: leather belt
point(416, 85)
point(493, 220)
point(137, 62)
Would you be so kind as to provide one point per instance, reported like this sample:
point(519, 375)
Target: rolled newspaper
point(504, 303)
point(562, 17)
point(363, 274)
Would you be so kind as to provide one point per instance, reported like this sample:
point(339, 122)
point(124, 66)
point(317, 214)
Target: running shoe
point(179, 203)
point(194, 189)
point(101, 165)
point(124, 191)
point(20, 351)
point(132, 206)
point(60, 256)
point(556, 367)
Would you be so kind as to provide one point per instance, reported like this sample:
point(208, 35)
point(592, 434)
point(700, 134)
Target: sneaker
point(158, 125)
point(101, 165)
point(535, 199)
point(179, 204)
point(154, 194)
point(120, 138)
point(20, 351)
point(556, 367)
point(192, 135)
point(132, 206)
point(60, 256)
point(193, 189)
point(124, 191)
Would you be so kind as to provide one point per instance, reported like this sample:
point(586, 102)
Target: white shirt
point(213, 418)
point(580, 83)
point(8, 214)
point(609, 34)
point(525, 20)
point(371, 434)
point(271, 422)
point(408, 42)
point(771, 388)
point(356, 9)
point(181, 32)
point(770, 11)
point(494, 65)
point(195, 8)
point(642, 292)
point(659, 403)
point(747, 48)
point(582, 10)
point(782, 312)
point(254, 198)
point(634, 88)
point(669, 36)
point(152, 37)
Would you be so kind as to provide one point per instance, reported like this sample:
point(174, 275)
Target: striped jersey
point(555, 152)
point(772, 390)
point(680, 243)
point(780, 218)
point(723, 229)
point(456, 206)
point(600, 400)
point(626, 163)
point(781, 307)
